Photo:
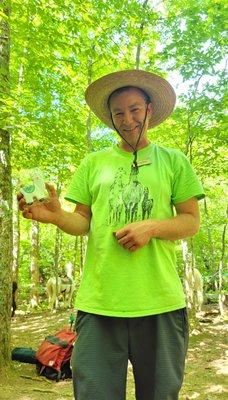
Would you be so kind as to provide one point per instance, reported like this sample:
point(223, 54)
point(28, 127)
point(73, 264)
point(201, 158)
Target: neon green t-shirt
point(116, 282)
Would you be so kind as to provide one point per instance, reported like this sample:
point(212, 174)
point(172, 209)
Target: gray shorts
point(155, 345)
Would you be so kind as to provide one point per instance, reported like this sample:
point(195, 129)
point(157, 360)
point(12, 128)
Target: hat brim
point(160, 91)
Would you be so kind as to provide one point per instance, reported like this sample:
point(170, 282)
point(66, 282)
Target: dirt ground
point(206, 368)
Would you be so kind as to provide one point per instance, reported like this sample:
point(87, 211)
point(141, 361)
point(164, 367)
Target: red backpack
point(54, 354)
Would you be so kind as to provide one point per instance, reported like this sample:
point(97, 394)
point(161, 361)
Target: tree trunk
point(89, 117)
point(222, 296)
point(75, 263)
point(83, 243)
point(211, 257)
point(188, 273)
point(88, 131)
point(5, 193)
point(57, 251)
point(139, 46)
point(16, 239)
point(34, 266)
point(189, 278)
point(57, 255)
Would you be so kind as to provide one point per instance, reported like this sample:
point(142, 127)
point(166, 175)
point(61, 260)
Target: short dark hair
point(126, 89)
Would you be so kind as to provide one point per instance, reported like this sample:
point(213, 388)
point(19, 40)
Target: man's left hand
point(135, 235)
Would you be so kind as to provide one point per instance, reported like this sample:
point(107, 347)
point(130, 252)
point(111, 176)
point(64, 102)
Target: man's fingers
point(21, 204)
point(128, 245)
point(51, 190)
point(27, 214)
point(123, 241)
point(121, 233)
point(21, 201)
point(133, 248)
point(123, 238)
point(19, 196)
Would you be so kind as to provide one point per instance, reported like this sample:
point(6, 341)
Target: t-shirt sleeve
point(78, 191)
point(186, 184)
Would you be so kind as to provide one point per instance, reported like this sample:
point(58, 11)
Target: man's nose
point(127, 118)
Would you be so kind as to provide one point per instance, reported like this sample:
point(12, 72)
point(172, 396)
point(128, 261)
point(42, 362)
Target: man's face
point(129, 110)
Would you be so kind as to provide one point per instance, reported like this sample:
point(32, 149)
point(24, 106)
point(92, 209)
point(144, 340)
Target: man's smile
point(131, 129)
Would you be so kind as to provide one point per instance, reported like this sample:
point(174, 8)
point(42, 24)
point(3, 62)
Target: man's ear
point(149, 110)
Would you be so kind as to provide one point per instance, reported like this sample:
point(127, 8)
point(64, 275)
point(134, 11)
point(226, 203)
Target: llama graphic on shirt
point(129, 200)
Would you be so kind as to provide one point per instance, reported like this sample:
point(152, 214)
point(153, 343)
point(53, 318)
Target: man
point(134, 200)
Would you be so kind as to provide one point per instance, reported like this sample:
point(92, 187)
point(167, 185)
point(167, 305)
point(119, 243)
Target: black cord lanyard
point(135, 151)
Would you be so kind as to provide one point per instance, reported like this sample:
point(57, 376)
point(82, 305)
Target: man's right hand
point(47, 211)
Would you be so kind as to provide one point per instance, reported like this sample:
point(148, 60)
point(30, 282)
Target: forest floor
point(205, 375)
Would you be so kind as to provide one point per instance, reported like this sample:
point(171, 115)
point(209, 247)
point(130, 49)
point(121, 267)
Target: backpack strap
point(55, 340)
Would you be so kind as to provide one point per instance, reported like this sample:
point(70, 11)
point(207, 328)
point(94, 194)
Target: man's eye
point(135, 109)
point(118, 114)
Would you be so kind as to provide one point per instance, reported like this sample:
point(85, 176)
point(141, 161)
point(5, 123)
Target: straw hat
point(159, 90)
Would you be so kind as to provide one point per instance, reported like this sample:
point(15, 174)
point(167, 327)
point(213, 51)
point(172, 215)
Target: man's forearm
point(135, 235)
point(179, 227)
point(72, 223)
